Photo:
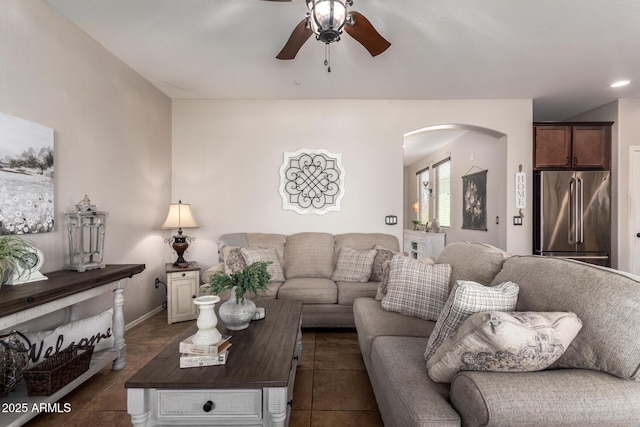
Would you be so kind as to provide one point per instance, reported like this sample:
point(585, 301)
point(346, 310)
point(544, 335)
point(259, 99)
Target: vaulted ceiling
point(563, 54)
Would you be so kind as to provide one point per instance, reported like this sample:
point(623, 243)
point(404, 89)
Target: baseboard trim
point(143, 318)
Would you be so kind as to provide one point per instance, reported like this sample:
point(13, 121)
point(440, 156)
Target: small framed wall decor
point(312, 181)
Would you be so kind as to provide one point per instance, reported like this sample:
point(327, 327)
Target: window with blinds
point(442, 192)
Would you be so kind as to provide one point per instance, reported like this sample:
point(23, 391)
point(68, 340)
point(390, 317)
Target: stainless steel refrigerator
point(572, 215)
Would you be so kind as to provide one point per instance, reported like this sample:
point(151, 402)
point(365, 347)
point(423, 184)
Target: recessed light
point(620, 83)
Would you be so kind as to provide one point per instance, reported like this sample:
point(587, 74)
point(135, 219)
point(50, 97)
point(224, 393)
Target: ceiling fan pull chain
point(327, 56)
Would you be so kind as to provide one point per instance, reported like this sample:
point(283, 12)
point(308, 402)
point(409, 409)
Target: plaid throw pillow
point(468, 298)
point(416, 289)
point(353, 265)
point(252, 255)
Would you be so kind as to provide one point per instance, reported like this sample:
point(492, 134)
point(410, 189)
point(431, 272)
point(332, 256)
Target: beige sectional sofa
point(308, 261)
point(594, 383)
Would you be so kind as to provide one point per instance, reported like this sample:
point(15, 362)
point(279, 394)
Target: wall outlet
point(517, 220)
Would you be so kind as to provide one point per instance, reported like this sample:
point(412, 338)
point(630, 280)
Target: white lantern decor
point(86, 228)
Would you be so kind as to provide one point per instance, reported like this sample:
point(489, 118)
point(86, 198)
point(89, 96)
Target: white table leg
point(118, 326)
point(276, 407)
point(137, 407)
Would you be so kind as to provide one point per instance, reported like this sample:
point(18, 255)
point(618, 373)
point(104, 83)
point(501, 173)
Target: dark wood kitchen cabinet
point(572, 145)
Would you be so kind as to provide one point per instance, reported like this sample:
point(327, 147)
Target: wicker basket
point(58, 370)
point(14, 359)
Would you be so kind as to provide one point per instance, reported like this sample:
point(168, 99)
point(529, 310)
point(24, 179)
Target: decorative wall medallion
point(312, 181)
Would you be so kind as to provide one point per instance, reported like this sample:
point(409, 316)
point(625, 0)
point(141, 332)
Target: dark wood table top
point(60, 284)
point(260, 356)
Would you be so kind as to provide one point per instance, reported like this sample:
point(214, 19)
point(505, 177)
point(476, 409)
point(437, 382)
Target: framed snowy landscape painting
point(26, 177)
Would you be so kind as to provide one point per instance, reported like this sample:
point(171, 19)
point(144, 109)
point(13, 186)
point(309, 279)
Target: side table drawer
point(183, 275)
point(238, 404)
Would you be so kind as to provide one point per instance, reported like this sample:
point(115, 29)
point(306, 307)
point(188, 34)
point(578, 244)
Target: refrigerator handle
point(580, 212)
point(572, 211)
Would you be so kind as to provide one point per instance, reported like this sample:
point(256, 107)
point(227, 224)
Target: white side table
point(183, 285)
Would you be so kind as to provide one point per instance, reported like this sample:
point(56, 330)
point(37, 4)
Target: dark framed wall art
point(474, 201)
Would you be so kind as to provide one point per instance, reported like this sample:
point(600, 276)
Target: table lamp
point(179, 217)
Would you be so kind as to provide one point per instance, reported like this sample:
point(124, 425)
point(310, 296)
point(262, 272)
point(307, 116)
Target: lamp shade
point(180, 216)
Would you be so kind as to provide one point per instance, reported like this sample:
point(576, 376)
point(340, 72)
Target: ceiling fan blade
point(362, 30)
point(297, 38)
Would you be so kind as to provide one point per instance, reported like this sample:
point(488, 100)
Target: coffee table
point(254, 387)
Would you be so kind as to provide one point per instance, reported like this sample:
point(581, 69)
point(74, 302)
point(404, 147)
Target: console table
point(65, 288)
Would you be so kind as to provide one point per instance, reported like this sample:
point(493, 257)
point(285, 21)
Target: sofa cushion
point(309, 255)
point(604, 299)
point(566, 397)
point(477, 262)
point(349, 291)
point(364, 241)
point(268, 240)
point(371, 321)
point(504, 342)
point(468, 298)
point(416, 289)
point(310, 290)
point(353, 265)
point(405, 395)
point(252, 255)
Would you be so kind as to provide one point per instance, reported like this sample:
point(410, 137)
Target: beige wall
point(226, 157)
point(112, 139)
point(628, 136)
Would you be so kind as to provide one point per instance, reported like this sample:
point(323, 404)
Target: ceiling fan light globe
point(327, 17)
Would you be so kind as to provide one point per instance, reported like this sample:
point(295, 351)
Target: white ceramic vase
point(236, 316)
point(207, 321)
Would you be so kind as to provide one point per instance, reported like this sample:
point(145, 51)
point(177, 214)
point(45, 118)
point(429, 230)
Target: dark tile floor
point(332, 387)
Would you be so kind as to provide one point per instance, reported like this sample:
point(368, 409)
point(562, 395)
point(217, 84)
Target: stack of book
point(193, 356)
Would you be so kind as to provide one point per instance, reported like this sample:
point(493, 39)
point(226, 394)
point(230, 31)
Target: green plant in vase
point(237, 312)
point(251, 279)
point(15, 253)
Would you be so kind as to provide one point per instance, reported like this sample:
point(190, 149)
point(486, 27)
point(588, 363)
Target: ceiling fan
point(326, 19)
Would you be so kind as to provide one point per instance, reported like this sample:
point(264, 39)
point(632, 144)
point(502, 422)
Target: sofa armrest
point(206, 275)
point(551, 397)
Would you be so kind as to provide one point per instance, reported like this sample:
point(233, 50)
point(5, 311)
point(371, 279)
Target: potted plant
point(14, 255)
point(238, 311)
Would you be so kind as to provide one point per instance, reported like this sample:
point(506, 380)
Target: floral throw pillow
point(233, 259)
point(504, 342)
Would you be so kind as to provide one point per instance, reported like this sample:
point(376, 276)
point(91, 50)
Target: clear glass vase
point(236, 316)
